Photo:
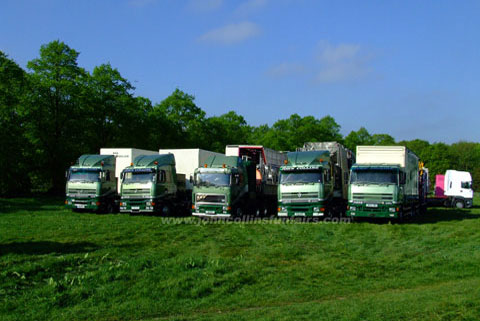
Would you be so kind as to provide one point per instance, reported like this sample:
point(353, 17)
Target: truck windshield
point(138, 177)
point(467, 185)
point(301, 177)
point(377, 176)
point(212, 179)
point(81, 175)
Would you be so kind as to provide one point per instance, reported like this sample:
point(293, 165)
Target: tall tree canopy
point(55, 112)
point(181, 111)
point(14, 145)
point(288, 134)
point(229, 128)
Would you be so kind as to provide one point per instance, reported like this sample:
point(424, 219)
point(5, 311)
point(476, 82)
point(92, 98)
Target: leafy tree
point(288, 134)
point(467, 158)
point(14, 166)
point(329, 130)
point(382, 139)
point(227, 129)
point(186, 117)
point(55, 118)
point(438, 159)
point(258, 135)
point(118, 118)
point(359, 137)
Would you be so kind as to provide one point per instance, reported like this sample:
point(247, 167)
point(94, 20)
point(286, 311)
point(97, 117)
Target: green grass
point(56, 264)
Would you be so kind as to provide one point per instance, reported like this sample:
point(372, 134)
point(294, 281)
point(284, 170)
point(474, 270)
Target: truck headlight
point(149, 203)
point(353, 208)
point(94, 203)
point(316, 209)
point(392, 209)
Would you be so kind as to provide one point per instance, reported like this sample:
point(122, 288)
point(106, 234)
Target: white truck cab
point(458, 187)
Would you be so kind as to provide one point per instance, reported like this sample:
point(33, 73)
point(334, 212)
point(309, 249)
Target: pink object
point(439, 186)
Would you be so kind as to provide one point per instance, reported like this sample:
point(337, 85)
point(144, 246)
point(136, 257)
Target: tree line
point(56, 110)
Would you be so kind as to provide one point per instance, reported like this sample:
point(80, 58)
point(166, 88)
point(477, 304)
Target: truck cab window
point(466, 185)
point(375, 176)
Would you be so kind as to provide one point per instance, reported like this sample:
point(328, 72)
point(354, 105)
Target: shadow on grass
point(444, 215)
point(40, 203)
point(46, 247)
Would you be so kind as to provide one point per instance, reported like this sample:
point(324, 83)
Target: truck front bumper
point(373, 210)
point(301, 209)
point(131, 205)
point(211, 215)
point(219, 211)
point(83, 203)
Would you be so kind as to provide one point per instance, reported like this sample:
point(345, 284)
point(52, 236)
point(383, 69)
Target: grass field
point(55, 264)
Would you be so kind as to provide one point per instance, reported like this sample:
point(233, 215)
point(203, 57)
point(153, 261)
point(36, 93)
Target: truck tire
point(400, 218)
point(166, 209)
point(459, 204)
point(109, 209)
point(238, 211)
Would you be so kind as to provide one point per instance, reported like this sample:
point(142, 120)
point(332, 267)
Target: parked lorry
point(91, 184)
point(243, 181)
point(454, 189)
point(385, 183)
point(93, 180)
point(314, 181)
point(161, 183)
point(221, 187)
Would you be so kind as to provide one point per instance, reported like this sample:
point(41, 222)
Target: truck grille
point(79, 192)
point(372, 197)
point(299, 195)
point(136, 191)
point(206, 198)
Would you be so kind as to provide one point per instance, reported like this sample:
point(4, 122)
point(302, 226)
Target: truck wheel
point(109, 209)
point(459, 204)
point(261, 210)
point(238, 212)
point(401, 217)
point(166, 210)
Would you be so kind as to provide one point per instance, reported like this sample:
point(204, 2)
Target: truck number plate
point(210, 212)
point(135, 207)
point(80, 206)
point(299, 214)
point(372, 205)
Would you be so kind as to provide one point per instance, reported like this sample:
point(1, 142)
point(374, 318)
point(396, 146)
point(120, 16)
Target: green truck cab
point(314, 181)
point(220, 187)
point(91, 184)
point(384, 183)
point(305, 186)
point(151, 185)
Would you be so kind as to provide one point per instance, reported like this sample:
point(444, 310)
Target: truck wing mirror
point(191, 179)
point(66, 174)
point(121, 175)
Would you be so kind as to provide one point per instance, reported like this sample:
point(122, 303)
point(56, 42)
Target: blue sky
point(410, 69)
